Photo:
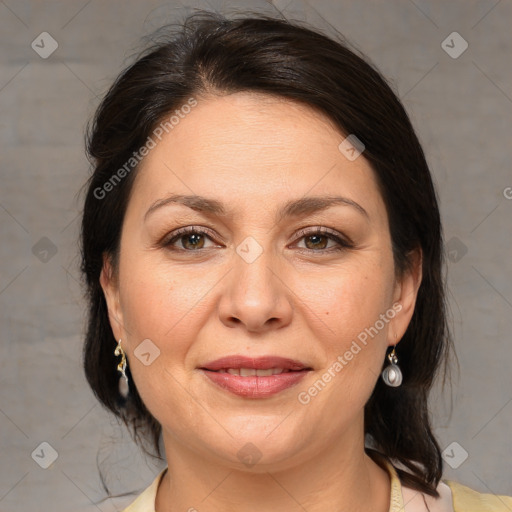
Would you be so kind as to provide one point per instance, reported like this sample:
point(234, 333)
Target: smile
point(260, 377)
point(248, 372)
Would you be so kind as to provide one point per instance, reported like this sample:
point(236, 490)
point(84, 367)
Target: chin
point(259, 452)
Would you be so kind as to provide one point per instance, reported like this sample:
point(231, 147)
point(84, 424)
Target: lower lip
point(253, 386)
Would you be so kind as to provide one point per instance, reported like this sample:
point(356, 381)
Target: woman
point(262, 249)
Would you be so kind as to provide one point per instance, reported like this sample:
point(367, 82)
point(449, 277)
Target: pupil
point(193, 239)
point(316, 239)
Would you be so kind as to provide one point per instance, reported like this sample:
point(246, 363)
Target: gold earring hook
point(119, 351)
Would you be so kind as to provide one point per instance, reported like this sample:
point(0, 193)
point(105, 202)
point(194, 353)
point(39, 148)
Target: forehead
point(253, 146)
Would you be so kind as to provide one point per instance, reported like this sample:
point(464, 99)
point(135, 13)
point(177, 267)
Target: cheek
point(158, 307)
point(351, 300)
point(153, 309)
point(160, 302)
point(355, 312)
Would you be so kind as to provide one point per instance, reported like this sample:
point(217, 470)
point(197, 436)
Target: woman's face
point(248, 283)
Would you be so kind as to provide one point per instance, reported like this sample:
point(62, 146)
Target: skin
point(254, 152)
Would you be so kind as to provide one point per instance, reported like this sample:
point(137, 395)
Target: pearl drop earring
point(392, 375)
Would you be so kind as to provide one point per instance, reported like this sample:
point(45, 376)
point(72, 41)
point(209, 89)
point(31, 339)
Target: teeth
point(248, 372)
point(265, 373)
point(277, 371)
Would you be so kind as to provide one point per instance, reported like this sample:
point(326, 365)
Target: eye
point(316, 240)
point(192, 238)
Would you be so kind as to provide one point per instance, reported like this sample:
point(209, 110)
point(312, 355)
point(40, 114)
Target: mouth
point(249, 372)
point(255, 377)
point(265, 363)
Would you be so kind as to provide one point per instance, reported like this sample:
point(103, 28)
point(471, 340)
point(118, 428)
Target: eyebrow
point(294, 208)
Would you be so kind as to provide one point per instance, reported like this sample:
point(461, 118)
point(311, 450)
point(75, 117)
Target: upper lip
point(258, 363)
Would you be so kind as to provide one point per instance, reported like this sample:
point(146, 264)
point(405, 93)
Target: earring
point(392, 374)
point(121, 367)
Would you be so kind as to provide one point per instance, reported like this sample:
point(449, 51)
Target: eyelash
point(305, 232)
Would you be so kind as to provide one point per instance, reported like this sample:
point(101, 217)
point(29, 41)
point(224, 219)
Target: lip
point(258, 363)
point(254, 386)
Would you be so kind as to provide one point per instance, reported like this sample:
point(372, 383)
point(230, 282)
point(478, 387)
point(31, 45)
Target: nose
point(256, 295)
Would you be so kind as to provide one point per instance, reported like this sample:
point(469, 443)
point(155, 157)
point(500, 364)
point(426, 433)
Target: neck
point(341, 479)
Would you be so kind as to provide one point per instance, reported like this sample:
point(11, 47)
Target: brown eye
point(195, 240)
point(316, 240)
point(190, 239)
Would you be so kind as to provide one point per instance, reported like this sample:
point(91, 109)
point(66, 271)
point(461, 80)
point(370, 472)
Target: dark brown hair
point(211, 54)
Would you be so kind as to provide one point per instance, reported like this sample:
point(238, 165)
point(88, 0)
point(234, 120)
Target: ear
point(110, 287)
point(405, 294)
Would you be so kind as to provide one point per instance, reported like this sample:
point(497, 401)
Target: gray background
point(461, 107)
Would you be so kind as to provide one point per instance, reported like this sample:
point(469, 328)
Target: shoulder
point(453, 497)
point(466, 499)
point(145, 502)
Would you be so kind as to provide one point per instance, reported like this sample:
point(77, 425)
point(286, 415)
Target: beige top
point(454, 497)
